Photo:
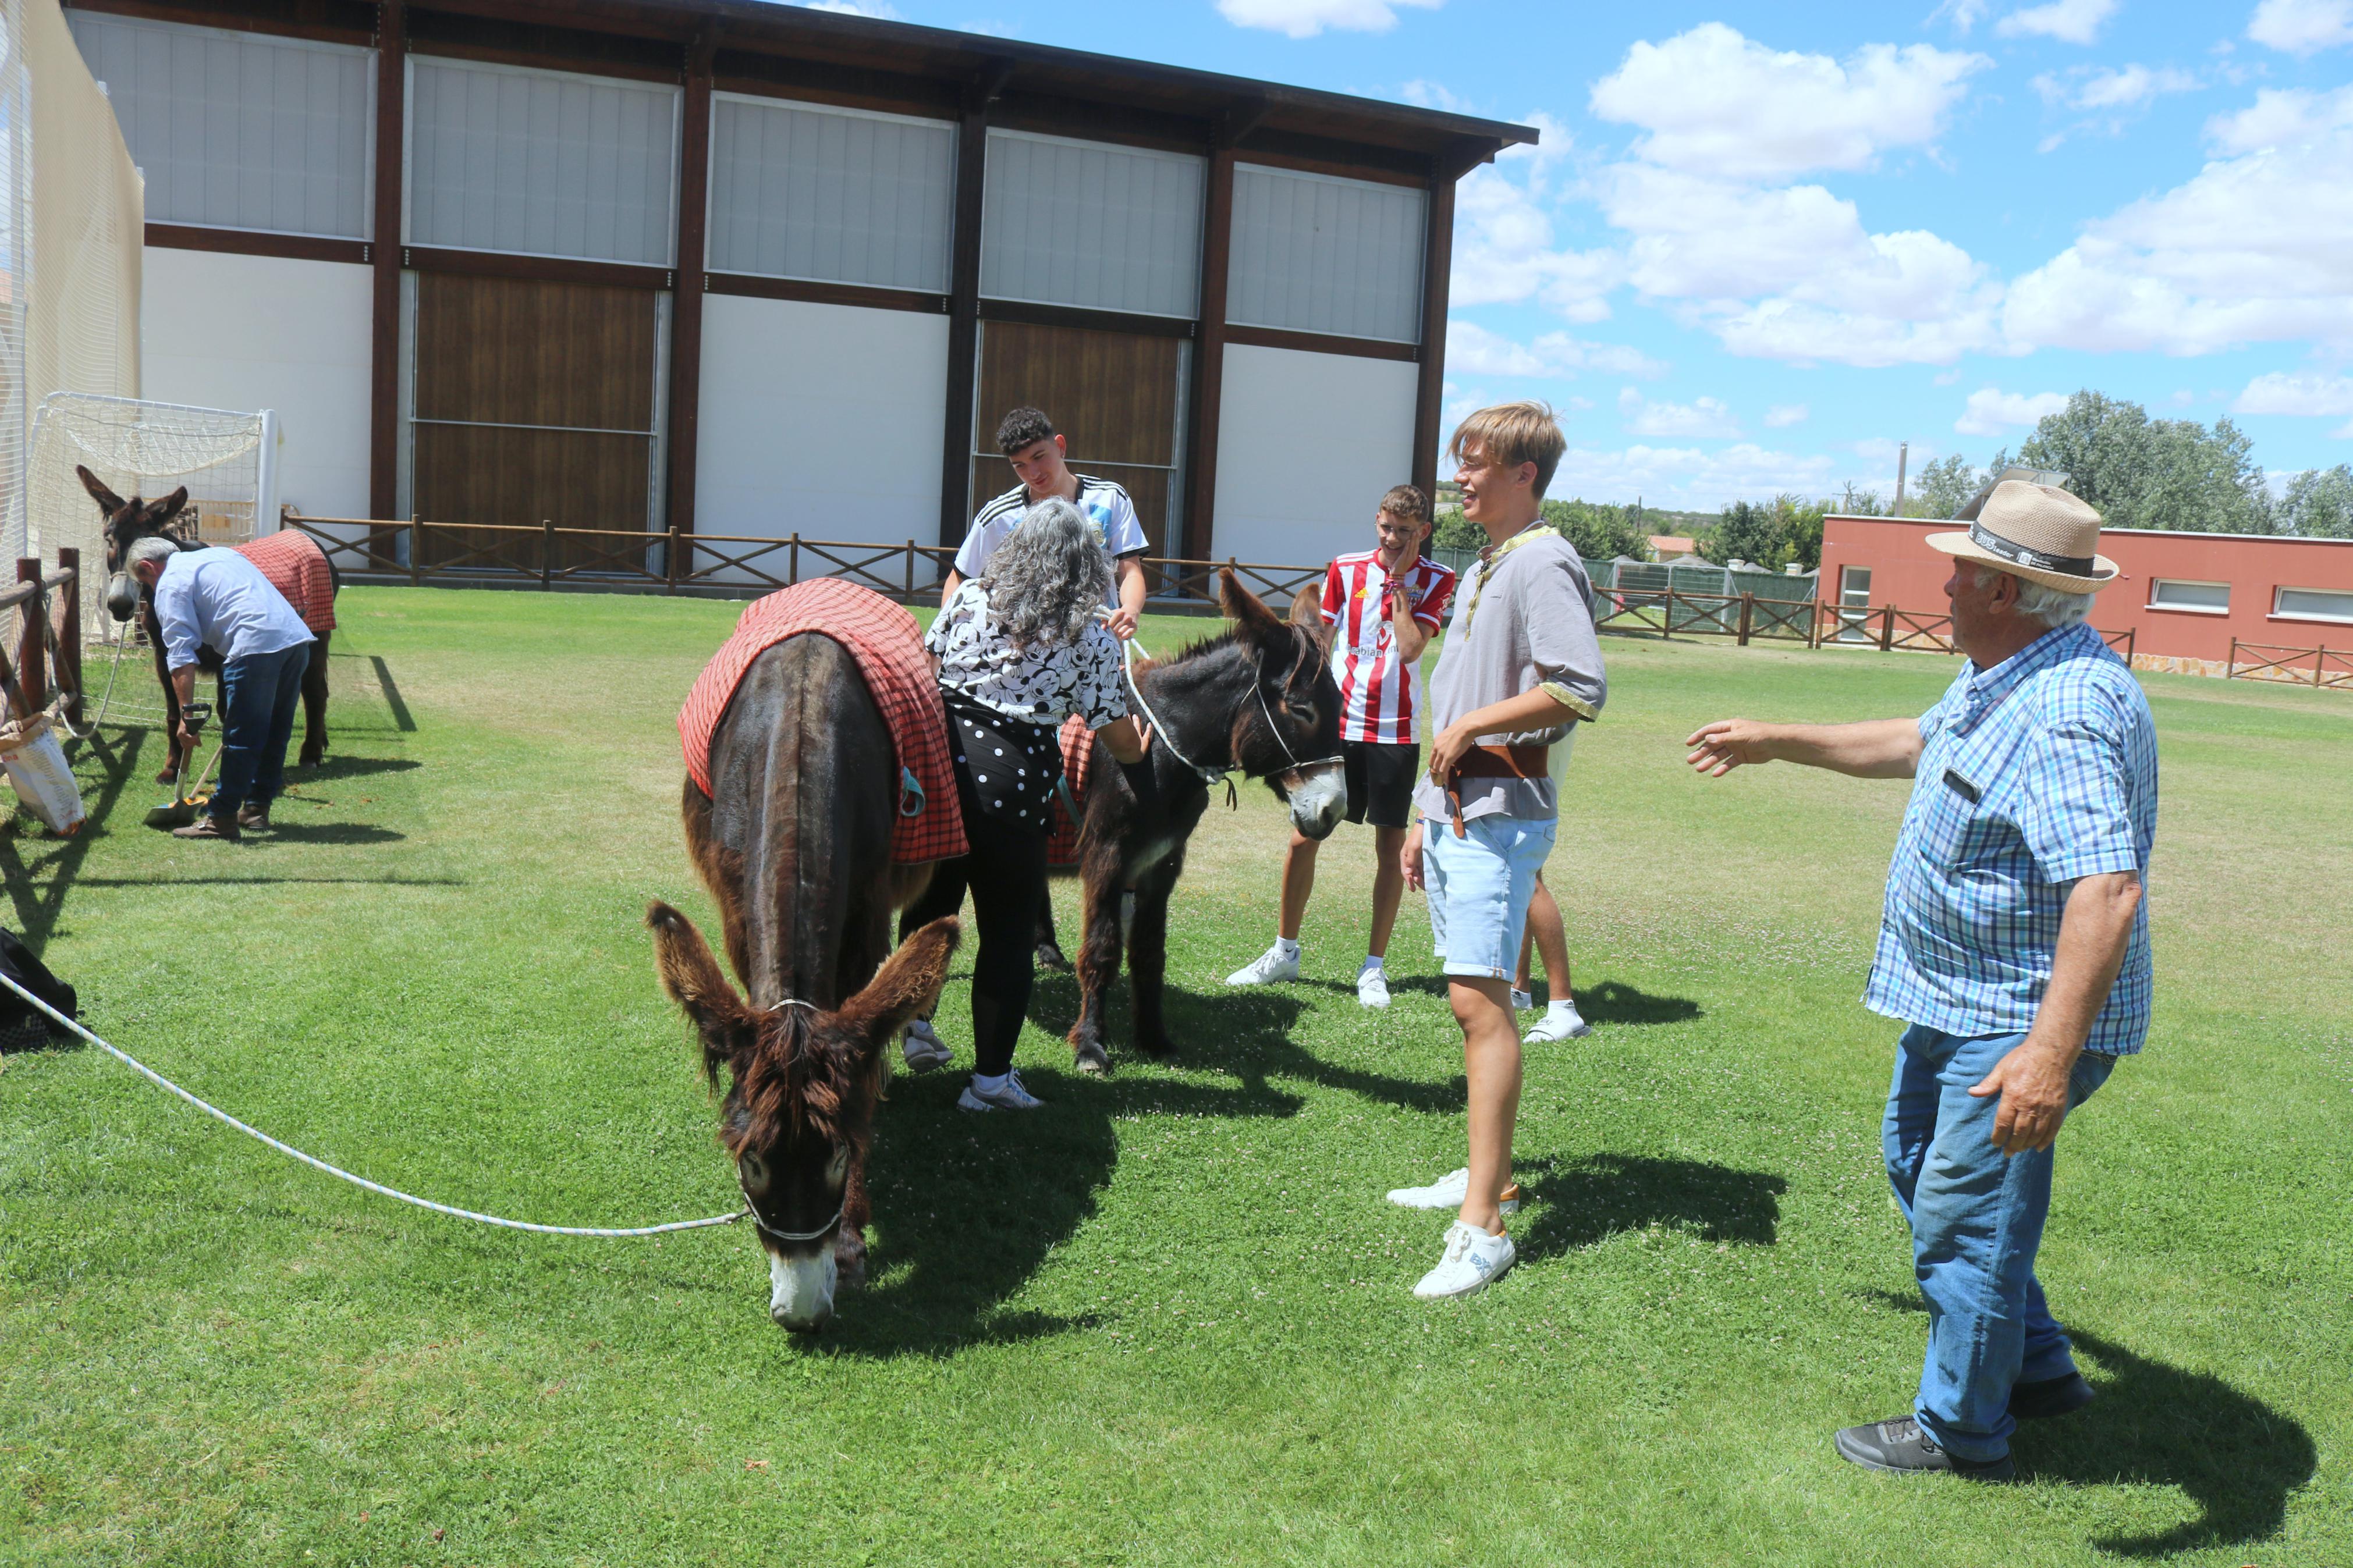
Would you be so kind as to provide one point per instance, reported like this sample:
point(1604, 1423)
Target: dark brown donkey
point(794, 842)
point(1259, 700)
point(129, 522)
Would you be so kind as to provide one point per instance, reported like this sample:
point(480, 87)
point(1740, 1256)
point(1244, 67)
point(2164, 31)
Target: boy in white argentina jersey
point(1030, 443)
point(1380, 608)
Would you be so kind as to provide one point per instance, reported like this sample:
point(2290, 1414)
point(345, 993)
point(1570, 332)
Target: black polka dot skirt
point(1010, 766)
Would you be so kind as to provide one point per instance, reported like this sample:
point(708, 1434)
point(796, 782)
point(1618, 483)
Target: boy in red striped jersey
point(1380, 608)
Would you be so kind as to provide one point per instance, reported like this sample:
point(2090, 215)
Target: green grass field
point(1167, 1320)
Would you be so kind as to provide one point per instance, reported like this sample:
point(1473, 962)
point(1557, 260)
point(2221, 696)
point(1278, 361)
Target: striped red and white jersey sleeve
point(1380, 695)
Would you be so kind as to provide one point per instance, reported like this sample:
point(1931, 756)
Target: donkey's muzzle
point(122, 596)
point(800, 1289)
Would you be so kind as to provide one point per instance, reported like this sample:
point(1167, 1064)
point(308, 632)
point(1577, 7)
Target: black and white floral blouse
point(1035, 685)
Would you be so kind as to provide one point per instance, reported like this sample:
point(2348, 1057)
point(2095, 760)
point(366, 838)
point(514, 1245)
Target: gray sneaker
point(1901, 1446)
point(923, 1048)
point(1012, 1096)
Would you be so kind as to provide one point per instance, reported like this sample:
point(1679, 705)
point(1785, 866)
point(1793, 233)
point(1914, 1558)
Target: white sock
point(987, 1085)
point(1287, 946)
point(1372, 961)
point(1563, 1008)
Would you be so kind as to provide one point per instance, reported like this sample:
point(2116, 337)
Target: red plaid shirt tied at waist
point(882, 637)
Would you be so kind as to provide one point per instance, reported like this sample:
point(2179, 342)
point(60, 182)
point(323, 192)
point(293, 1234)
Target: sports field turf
point(1167, 1319)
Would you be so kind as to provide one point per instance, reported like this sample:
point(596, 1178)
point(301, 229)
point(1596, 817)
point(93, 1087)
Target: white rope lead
point(160, 1081)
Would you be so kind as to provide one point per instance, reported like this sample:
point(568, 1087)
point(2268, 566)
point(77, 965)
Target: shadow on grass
point(1589, 1200)
point(339, 767)
point(329, 833)
point(2236, 1457)
point(967, 1208)
point(1611, 1002)
point(38, 888)
point(1244, 1032)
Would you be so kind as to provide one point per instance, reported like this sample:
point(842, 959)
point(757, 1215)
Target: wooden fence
point(2326, 668)
point(464, 554)
point(48, 644)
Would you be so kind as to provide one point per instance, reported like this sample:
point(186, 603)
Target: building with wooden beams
point(758, 269)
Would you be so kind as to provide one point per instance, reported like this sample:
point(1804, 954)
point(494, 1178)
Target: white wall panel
point(833, 194)
point(238, 131)
point(540, 163)
point(262, 331)
point(1354, 415)
point(1317, 254)
point(823, 420)
point(1091, 225)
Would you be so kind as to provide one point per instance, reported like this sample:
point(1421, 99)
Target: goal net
point(226, 458)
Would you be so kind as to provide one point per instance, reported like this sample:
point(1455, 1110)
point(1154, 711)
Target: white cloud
point(1425, 94)
point(1471, 348)
point(1991, 412)
point(1702, 417)
point(2320, 396)
point(1712, 100)
point(2300, 27)
point(2253, 249)
point(873, 8)
point(1962, 13)
point(2112, 88)
point(1305, 18)
point(1504, 251)
point(1781, 415)
point(1687, 479)
point(2281, 117)
point(2070, 21)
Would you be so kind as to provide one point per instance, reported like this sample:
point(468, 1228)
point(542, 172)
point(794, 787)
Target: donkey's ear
point(723, 1021)
point(108, 502)
point(1249, 614)
point(908, 981)
point(1307, 615)
point(165, 510)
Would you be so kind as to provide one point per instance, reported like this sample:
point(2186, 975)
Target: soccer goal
point(227, 460)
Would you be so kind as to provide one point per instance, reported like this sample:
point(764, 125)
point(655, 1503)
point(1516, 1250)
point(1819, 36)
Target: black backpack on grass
point(23, 1026)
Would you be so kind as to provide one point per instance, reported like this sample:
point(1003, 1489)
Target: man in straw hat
point(2014, 944)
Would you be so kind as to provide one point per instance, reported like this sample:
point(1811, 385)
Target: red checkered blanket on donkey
point(297, 568)
point(883, 639)
point(1078, 756)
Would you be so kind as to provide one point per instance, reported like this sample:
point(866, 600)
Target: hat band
point(2024, 555)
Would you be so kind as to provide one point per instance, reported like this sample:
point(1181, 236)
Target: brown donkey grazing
point(794, 842)
point(1259, 700)
point(129, 522)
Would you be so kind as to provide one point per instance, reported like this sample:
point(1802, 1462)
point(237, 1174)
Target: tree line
point(2171, 474)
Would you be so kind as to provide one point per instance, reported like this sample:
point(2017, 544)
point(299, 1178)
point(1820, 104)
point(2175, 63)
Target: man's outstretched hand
point(1720, 747)
point(2032, 1081)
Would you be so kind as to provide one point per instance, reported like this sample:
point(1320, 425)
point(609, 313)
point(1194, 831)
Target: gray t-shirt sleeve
point(1557, 607)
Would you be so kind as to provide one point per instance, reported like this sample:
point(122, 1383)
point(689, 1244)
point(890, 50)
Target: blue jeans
point(258, 695)
point(1977, 1219)
point(1479, 887)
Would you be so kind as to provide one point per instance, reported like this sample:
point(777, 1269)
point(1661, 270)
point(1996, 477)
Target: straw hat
point(2040, 532)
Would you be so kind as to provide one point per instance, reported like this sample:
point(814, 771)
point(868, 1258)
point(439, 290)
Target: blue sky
point(1761, 244)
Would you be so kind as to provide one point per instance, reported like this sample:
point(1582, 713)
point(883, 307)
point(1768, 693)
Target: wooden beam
point(1438, 258)
point(383, 381)
point(253, 242)
point(535, 269)
point(862, 295)
point(1084, 319)
point(1322, 344)
point(964, 301)
point(686, 300)
point(1210, 352)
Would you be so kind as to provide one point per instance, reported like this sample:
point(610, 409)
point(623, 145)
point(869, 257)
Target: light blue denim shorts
point(1479, 888)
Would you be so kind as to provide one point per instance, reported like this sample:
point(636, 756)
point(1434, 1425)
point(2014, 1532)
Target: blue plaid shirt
point(2035, 773)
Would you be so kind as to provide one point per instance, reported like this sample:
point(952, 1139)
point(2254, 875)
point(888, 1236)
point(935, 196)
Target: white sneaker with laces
point(1561, 1022)
point(1448, 1192)
point(1472, 1261)
point(1012, 1096)
point(1523, 1001)
point(1267, 968)
point(923, 1048)
point(1372, 986)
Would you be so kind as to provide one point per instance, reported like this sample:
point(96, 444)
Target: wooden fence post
point(2319, 663)
point(1747, 613)
point(1887, 629)
point(910, 571)
point(67, 632)
point(669, 559)
point(31, 665)
point(793, 566)
point(415, 548)
point(546, 551)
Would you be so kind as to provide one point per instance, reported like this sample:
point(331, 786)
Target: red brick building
point(2186, 597)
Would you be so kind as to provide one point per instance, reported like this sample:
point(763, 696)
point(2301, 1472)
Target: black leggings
point(1006, 872)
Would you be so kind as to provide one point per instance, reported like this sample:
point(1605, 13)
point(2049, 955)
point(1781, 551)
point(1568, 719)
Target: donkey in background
point(127, 522)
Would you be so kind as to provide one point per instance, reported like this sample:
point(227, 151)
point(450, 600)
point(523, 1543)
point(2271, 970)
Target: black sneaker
point(2051, 1397)
point(1900, 1446)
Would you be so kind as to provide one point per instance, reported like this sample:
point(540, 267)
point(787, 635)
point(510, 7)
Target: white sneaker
point(1012, 1096)
point(1373, 987)
point(923, 1048)
point(1523, 1001)
point(1448, 1192)
point(1472, 1261)
point(1561, 1022)
point(1267, 967)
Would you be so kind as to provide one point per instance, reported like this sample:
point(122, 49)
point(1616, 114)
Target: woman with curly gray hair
point(1019, 648)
